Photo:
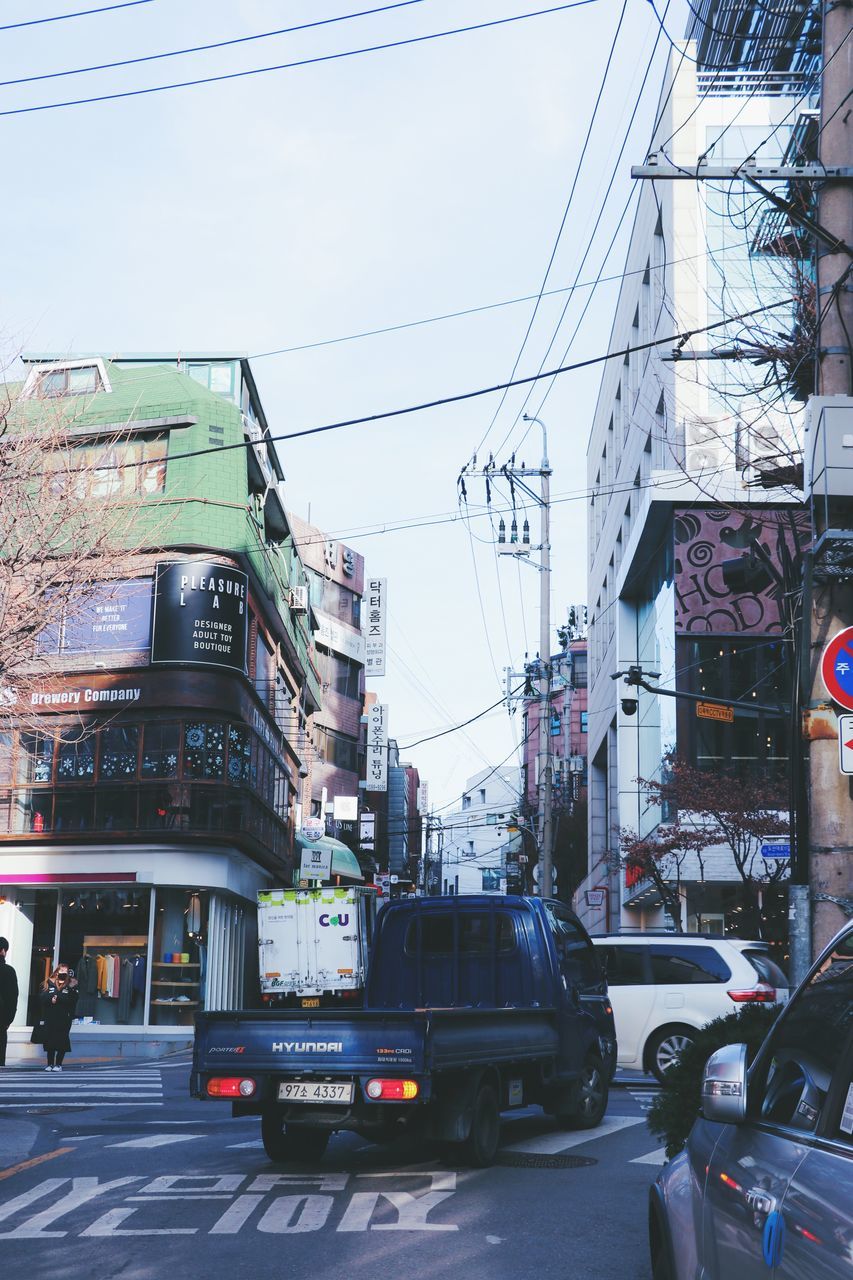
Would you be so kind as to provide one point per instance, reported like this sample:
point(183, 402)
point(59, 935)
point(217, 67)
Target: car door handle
point(761, 1201)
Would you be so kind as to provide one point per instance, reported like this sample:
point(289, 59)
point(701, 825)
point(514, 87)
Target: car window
point(767, 969)
point(623, 966)
point(574, 950)
point(672, 963)
point(793, 1074)
point(474, 933)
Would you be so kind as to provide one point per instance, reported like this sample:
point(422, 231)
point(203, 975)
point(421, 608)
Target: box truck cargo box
point(314, 944)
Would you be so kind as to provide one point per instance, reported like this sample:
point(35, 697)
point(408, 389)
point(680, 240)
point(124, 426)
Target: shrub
point(677, 1105)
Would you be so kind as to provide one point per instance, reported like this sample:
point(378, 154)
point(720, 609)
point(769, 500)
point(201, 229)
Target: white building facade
point(672, 451)
point(476, 841)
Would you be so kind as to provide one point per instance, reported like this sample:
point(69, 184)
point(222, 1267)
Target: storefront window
point(204, 750)
point(35, 758)
point(74, 811)
point(76, 755)
point(239, 754)
point(119, 747)
point(160, 751)
point(104, 938)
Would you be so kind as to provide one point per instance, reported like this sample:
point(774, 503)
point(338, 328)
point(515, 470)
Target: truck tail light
point(392, 1090)
point(231, 1087)
point(761, 993)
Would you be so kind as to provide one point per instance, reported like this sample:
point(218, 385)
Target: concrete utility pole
point(546, 877)
point(517, 475)
point(830, 606)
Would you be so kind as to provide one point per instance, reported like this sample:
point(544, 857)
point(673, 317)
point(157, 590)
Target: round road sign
point(836, 668)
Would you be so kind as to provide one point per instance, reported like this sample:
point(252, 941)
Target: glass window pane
point(687, 964)
point(119, 746)
point(35, 758)
point(625, 967)
point(74, 811)
point(83, 381)
point(160, 751)
point(806, 1049)
point(6, 740)
point(204, 750)
point(76, 755)
point(239, 753)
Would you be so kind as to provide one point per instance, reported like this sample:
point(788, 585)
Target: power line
point(63, 17)
point(470, 311)
point(204, 48)
point(562, 225)
point(678, 340)
point(289, 66)
point(407, 746)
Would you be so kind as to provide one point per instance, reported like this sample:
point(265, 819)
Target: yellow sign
point(714, 711)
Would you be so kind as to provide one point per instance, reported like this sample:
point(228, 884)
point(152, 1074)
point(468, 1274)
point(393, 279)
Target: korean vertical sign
point(377, 747)
point(374, 629)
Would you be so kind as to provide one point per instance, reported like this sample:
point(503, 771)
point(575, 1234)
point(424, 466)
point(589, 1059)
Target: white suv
point(665, 986)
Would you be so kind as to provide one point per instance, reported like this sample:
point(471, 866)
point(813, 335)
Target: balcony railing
point(131, 811)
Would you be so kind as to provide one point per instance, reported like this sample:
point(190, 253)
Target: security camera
point(629, 706)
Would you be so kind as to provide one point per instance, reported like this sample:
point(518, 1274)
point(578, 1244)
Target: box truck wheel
point(480, 1146)
point(298, 1143)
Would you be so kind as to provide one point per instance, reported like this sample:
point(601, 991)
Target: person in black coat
point(8, 997)
point(58, 1005)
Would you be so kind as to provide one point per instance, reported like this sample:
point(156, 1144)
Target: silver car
point(764, 1186)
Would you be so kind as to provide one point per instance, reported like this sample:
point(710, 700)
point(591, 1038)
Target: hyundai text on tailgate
point(474, 1006)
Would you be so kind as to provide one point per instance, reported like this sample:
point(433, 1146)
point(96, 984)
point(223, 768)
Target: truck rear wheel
point(303, 1145)
point(591, 1095)
point(480, 1147)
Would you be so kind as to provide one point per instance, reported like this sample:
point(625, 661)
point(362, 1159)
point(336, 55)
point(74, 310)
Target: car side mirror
point(724, 1085)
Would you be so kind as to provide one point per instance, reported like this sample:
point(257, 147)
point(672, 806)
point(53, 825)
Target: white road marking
point(241, 1146)
point(552, 1143)
point(494, 1240)
point(158, 1140)
point(653, 1157)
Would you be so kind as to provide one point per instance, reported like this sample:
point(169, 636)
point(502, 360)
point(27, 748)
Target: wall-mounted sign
point(200, 614)
point(377, 748)
point(374, 625)
point(345, 808)
point(111, 617)
point(773, 847)
point(714, 711)
point(367, 831)
point(836, 668)
point(423, 798)
point(342, 639)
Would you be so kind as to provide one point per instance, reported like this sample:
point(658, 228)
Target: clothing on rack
point(87, 985)
point(139, 970)
point(125, 990)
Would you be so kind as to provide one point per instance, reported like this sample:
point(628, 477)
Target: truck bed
point(366, 1040)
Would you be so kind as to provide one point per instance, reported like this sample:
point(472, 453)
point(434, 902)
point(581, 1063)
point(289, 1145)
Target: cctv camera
point(629, 706)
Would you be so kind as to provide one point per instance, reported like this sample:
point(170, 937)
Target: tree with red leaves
point(712, 808)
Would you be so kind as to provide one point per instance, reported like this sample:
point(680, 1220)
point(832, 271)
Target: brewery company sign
point(200, 614)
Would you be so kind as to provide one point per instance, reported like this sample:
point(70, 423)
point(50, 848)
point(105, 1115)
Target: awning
point(344, 861)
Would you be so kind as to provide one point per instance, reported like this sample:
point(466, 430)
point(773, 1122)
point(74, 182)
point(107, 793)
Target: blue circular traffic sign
point(836, 668)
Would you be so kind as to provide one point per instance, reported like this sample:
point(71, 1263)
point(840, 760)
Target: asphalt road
point(114, 1171)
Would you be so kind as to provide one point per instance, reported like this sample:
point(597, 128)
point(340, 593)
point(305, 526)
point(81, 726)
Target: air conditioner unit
point(709, 443)
point(299, 599)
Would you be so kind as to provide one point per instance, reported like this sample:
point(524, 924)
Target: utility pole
point(829, 606)
point(515, 477)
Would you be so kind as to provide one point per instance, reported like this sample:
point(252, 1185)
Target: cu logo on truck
point(326, 920)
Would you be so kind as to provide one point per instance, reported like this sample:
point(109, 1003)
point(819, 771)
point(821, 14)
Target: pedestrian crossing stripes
point(76, 1087)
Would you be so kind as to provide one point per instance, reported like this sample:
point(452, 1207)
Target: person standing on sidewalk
point(58, 1004)
point(8, 997)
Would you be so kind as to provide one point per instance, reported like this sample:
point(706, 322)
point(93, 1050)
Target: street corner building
point(155, 726)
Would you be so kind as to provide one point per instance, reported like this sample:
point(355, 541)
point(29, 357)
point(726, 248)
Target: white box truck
point(314, 945)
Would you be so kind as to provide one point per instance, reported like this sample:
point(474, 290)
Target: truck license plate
point(313, 1003)
point(314, 1091)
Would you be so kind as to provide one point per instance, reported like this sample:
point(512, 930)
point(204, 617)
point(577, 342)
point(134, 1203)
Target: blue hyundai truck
point(474, 1006)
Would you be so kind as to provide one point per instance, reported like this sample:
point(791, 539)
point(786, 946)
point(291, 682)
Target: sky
point(306, 205)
